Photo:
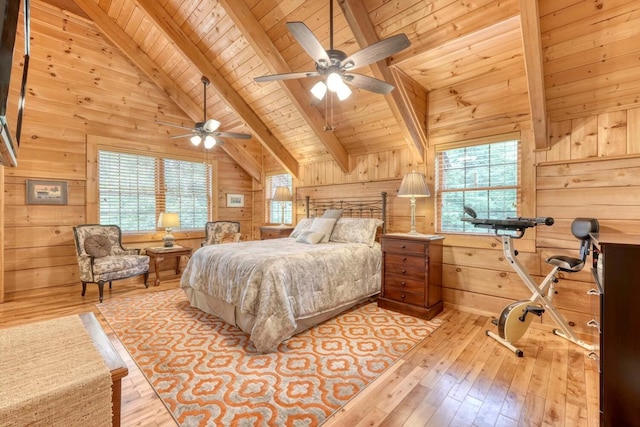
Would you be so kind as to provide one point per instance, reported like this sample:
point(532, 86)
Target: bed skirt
point(245, 322)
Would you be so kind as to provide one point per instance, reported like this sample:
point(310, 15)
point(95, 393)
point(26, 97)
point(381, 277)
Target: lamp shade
point(414, 184)
point(282, 194)
point(168, 220)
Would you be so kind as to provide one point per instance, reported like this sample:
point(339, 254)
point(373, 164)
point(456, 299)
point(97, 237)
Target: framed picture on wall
point(46, 192)
point(235, 200)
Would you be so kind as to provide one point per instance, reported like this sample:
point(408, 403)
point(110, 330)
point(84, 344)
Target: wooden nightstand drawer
point(268, 232)
point(404, 261)
point(404, 296)
point(403, 247)
point(416, 274)
point(404, 283)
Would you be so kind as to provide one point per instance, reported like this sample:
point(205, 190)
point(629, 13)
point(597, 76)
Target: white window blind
point(187, 190)
point(273, 209)
point(484, 177)
point(134, 189)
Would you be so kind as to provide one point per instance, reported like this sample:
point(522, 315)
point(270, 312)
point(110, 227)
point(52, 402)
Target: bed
point(274, 289)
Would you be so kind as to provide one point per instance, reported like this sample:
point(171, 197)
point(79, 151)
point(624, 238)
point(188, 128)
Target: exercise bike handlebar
point(546, 220)
point(517, 225)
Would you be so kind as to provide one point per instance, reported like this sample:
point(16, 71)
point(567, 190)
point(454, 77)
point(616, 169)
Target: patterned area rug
point(209, 374)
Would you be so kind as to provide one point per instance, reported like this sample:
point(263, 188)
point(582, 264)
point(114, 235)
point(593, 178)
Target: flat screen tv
point(9, 21)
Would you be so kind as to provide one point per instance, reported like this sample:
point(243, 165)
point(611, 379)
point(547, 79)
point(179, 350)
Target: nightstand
point(412, 274)
point(274, 232)
point(158, 254)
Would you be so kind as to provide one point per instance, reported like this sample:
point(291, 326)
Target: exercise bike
point(516, 317)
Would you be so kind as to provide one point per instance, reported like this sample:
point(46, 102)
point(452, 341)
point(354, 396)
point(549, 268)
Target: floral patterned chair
point(217, 232)
point(102, 258)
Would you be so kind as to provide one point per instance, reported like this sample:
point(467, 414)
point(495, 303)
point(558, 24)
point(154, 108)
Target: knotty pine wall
point(82, 89)
point(81, 86)
point(591, 170)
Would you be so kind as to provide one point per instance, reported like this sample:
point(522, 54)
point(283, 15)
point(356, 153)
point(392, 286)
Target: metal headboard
point(352, 207)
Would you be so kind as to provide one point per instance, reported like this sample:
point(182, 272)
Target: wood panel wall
point(591, 170)
point(81, 87)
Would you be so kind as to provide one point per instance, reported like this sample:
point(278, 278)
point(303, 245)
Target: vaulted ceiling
point(474, 68)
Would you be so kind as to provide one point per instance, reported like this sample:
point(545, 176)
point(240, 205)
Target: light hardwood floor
point(457, 377)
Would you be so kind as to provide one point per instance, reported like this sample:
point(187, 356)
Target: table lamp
point(168, 220)
point(282, 195)
point(414, 184)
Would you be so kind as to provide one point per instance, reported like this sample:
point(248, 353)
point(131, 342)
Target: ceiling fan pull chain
point(331, 120)
point(326, 113)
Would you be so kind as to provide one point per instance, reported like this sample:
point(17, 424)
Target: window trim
point(95, 143)
point(513, 136)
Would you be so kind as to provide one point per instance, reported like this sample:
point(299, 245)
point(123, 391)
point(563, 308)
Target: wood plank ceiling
point(467, 73)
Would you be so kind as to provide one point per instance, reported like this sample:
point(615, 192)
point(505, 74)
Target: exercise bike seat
point(580, 228)
point(566, 263)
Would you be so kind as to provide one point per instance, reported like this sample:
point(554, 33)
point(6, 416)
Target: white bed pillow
point(310, 237)
point(323, 225)
point(356, 230)
point(332, 213)
point(302, 226)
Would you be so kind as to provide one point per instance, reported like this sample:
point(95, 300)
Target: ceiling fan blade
point(286, 76)
point(232, 135)
point(376, 52)
point(309, 43)
point(175, 126)
point(181, 136)
point(369, 83)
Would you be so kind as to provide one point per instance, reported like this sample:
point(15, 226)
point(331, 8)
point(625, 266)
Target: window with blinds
point(134, 189)
point(484, 177)
point(273, 209)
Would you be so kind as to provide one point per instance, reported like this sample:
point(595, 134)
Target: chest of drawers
point(617, 280)
point(412, 274)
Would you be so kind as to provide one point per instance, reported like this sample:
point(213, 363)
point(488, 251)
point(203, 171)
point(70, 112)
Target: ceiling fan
point(336, 66)
point(206, 130)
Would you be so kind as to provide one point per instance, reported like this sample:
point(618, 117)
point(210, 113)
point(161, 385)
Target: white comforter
point(280, 280)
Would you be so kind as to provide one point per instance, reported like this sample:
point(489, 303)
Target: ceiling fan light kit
point(319, 90)
point(209, 142)
point(207, 129)
point(211, 125)
point(335, 66)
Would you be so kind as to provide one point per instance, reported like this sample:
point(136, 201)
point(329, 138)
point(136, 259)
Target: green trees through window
point(133, 189)
point(483, 177)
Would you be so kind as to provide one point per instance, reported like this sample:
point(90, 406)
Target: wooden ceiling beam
point(227, 93)
point(412, 128)
point(271, 57)
point(532, 48)
point(131, 50)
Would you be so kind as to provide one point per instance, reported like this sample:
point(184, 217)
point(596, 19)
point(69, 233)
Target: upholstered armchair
point(102, 258)
point(217, 232)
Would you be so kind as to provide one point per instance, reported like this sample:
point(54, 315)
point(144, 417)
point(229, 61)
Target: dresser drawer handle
point(593, 323)
point(593, 355)
point(593, 292)
point(403, 283)
point(404, 271)
point(403, 296)
point(404, 259)
point(403, 246)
